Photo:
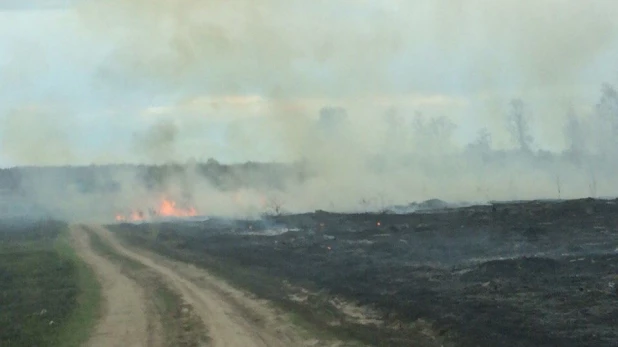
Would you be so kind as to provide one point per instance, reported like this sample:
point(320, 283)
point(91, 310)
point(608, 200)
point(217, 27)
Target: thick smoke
point(32, 135)
point(342, 92)
point(158, 142)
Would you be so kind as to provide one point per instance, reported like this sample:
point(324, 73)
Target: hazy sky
point(84, 81)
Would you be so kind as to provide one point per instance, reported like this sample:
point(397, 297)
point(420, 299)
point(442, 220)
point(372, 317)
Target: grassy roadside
point(81, 322)
point(48, 296)
point(180, 326)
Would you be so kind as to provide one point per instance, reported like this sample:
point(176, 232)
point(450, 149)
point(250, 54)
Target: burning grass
point(165, 208)
point(513, 274)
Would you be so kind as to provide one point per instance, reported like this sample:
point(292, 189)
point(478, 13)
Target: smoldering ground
point(343, 89)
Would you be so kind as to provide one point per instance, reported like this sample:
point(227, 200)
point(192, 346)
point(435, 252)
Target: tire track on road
point(124, 322)
point(227, 324)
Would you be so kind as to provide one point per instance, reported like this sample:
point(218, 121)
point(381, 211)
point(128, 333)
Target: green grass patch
point(48, 297)
point(82, 320)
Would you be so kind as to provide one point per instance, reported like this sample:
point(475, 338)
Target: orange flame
point(132, 216)
point(166, 208)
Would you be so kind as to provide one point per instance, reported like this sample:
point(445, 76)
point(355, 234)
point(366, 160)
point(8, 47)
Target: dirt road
point(124, 321)
point(232, 318)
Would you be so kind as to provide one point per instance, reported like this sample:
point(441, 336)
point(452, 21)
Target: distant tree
point(559, 186)
point(607, 108)
point(332, 126)
point(592, 186)
point(393, 118)
point(575, 138)
point(607, 112)
point(481, 149)
point(212, 162)
point(365, 204)
point(435, 133)
point(395, 130)
point(518, 125)
point(275, 206)
point(442, 127)
point(332, 117)
point(482, 143)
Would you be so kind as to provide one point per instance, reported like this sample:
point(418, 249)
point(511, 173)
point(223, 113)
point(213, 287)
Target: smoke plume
point(369, 104)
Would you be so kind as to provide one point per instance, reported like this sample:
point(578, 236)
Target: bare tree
point(607, 108)
point(383, 205)
point(442, 127)
point(365, 203)
point(482, 144)
point(332, 118)
point(396, 130)
point(607, 117)
point(518, 125)
point(575, 138)
point(592, 186)
point(275, 206)
point(435, 133)
point(512, 189)
point(481, 149)
point(559, 186)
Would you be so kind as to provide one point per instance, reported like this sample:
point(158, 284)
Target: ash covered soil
point(537, 273)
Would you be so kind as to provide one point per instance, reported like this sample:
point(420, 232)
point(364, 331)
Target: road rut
point(230, 316)
point(124, 321)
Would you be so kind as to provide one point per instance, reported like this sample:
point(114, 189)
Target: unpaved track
point(231, 318)
point(124, 321)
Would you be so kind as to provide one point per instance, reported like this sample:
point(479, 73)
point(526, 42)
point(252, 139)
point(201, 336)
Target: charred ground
point(540, 273)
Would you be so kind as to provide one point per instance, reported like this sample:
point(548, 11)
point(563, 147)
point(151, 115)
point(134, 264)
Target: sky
point(95, 81)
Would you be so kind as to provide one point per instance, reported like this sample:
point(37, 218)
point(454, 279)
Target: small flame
point(167, 208)
point(137, 215)
point(132, 216)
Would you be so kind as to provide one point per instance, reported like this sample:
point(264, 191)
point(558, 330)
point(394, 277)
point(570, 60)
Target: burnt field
point(511, 274)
